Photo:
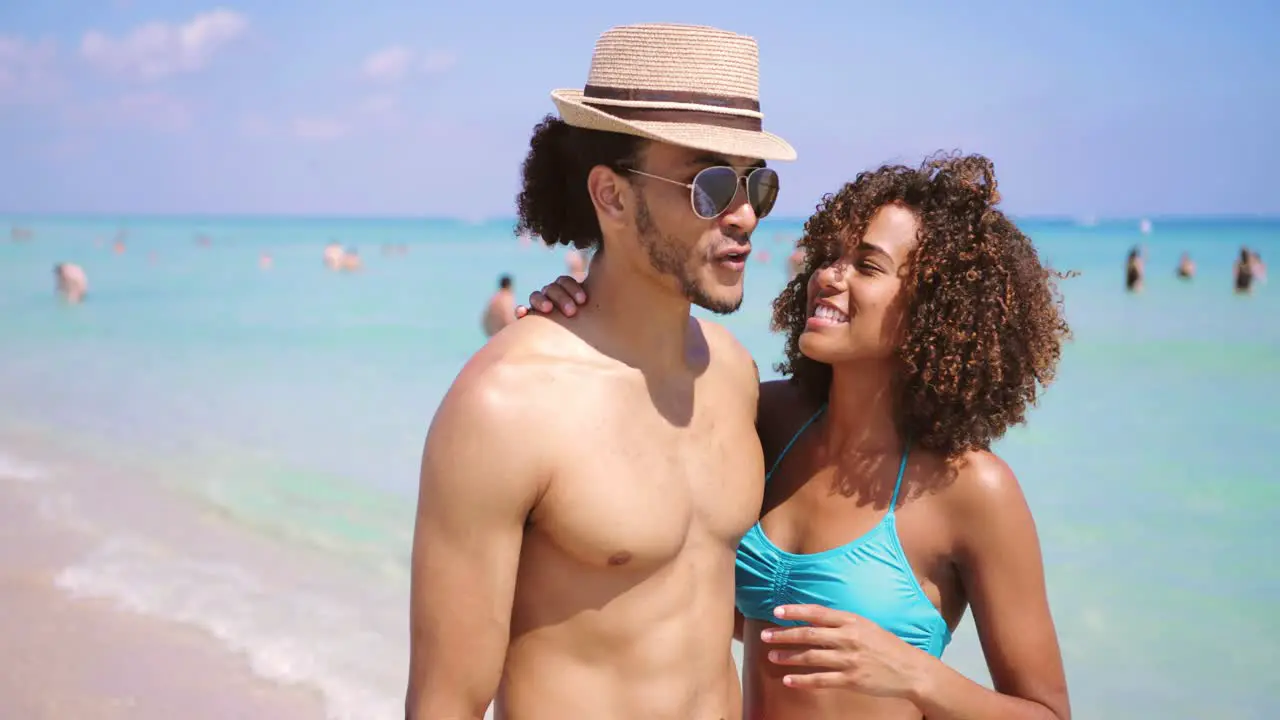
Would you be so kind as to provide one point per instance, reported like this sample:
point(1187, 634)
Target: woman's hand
point(565, 294)
point(842, 650)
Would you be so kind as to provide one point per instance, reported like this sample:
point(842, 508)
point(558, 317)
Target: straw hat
point(688, 85)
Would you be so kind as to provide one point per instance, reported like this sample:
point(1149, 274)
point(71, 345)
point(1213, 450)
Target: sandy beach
point(88, 659)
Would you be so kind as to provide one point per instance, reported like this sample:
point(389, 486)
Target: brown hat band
point(673, 115)
point(697, 117)
point(600, 92)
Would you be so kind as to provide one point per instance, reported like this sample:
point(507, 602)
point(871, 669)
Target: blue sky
point(424, 108)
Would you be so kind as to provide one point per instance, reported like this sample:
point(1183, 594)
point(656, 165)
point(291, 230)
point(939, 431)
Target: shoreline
point(88, 658)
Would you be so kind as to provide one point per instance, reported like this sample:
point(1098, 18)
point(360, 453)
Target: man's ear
point(609, 193)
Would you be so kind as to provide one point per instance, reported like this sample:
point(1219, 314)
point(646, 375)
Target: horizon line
point(9, 216)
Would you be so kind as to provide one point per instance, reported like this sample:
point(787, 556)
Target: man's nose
point(740, 216)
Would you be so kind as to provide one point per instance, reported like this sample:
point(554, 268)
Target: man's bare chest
point(636, 490)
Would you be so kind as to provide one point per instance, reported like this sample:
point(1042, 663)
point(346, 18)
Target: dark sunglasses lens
point(713, 191)
point(762, 190)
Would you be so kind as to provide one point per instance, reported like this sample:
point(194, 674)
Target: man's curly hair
point(984, 324)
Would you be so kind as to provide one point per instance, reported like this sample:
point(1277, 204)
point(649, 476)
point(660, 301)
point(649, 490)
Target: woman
point(921, 327)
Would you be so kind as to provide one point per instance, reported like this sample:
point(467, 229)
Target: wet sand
point(87, 659)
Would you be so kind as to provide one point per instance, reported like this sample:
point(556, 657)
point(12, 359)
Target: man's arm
point(477, 486)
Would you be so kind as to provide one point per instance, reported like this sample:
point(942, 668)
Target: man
point(576, 264)
point(501, 310)
point(71, 282)
point(333, 254)
point(592, 576)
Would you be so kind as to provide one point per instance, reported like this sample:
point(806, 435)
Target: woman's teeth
point(825, 312)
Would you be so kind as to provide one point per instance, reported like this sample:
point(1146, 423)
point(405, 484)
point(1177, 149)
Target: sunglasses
point(713, 189)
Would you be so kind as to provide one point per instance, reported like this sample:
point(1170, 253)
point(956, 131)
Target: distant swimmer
point(577, 264)
point(1186, 267)
point(333, 256)
point(1259, 269)
point(795, 263)
point(72, 284)
point(1245, 271)
point(1133, 270)
point(265, 261)
point(351, 260)
point(501, 310)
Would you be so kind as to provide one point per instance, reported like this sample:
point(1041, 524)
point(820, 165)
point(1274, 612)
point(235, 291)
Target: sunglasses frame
point(742, 181)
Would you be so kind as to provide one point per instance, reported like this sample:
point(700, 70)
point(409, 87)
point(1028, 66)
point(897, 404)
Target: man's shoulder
point(521, 368)
point(729, 354)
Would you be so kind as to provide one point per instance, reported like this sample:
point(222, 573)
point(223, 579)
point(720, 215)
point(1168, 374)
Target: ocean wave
point(13, 467)
point(288, 635)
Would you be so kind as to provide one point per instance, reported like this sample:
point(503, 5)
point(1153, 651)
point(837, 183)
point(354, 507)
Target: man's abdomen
point(645, 646)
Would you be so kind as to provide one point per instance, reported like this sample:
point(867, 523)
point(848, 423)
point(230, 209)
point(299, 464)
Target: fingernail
point(580, 297)
point(774, 655)
point(779, 612)
point(568, 307)
point(765, 635)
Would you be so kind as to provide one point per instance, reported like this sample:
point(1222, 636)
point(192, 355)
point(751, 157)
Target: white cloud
point(395, 63)
point(157, 49)
point(319, 128)
point(388, 65)
point(26, 69)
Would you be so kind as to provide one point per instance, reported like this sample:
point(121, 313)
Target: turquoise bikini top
point(869, 576)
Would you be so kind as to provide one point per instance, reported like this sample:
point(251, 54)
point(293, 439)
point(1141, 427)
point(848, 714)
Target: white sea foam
point(288, 634)
point(15, 468)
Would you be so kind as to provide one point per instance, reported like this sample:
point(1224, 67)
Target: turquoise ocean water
point(240, 445)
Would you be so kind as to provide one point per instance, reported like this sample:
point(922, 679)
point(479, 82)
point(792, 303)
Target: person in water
point(1245, 270)
point(1134, 270)
point(922, 327)
point(501, 308)
point(795, 262)
point(70, 281)
point(577, 264)
point(1186, 267)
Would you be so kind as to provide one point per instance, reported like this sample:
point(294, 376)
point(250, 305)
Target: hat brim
point(728, 141)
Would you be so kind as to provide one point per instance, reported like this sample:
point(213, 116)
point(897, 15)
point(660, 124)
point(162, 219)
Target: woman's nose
point(831, 275)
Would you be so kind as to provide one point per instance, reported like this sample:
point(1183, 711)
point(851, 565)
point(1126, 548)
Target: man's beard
point(668, 257)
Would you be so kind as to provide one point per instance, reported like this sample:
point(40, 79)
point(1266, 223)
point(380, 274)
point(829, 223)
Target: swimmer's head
point(504, 282)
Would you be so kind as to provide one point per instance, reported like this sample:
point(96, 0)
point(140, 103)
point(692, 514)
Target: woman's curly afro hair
point(984, 325)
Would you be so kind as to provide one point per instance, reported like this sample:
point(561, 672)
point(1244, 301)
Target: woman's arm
point(1003, 575)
